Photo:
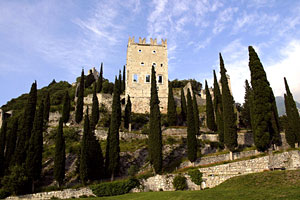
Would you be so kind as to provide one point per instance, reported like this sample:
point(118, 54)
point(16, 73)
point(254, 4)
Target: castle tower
point(140, 58)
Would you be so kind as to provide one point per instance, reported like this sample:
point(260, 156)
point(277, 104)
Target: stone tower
point(140, 58)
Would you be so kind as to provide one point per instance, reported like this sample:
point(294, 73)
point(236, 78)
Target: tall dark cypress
point(11, 144)
point(46, 107)
point(155, 137)
point(2, 146)
point(191, 130)
point(66, 107)
point(84, 149)
point(229, 117)
point(196, 115)
point(114, 149)
point(79, 104)
point(127, 116)
point(172, 115)
point(275, 131)
point(100, 79)
point(95, 109)
point(106, 164)
point(292, 133)
point(210, 116)
point(264, 117)
point(26, 127)
point(35, 148)
point(120, 82)
point(60, 155)
point(246, 116)
point(124, 79)
point(218, 107)
point(183, 106)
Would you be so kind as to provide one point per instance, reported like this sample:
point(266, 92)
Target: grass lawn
point(265, 185)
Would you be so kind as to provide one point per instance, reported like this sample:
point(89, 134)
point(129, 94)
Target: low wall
point(101, 134)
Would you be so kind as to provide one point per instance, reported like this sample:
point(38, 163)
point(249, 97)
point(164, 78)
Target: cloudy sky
point(45, 40)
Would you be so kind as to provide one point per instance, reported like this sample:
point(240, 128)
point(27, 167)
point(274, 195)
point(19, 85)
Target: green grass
point(266, 185)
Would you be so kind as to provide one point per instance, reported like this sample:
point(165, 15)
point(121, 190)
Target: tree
point(35, 148)
point(124, 79)
point(191, 130)
point(114, 149)
point(196, 115)
point(2, 146)
point(11, 143)
point(155, 137)
point(263, 118)
point(218, 107)
point(84, 149)
point(100, 79)
point(106, 164)
point(245, 114)
point(210, 116)
point(79, 105)
point(46, 107)
point(172, 115)
point(229, 117)
point(95, 109)
point(66, 108)
point(120, 82)
point(26, 126)
point(60, 155)
point(183, 106)
point(292, 132)
point(127, 117)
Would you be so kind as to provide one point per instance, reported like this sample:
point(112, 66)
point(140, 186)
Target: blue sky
point(44, 40)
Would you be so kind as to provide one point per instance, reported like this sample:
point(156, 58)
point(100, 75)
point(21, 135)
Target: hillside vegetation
point(265, 185)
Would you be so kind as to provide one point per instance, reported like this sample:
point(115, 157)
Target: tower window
point(161, 64)
point(154, 64)
point(140, 50)
point(160, 79)
point(154, 52)
point(135, 78)
point(142, 63)
point(147, 79)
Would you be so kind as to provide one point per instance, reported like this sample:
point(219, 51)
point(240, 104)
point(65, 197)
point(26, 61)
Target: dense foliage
point(179, 182)
point(196, 176)
point(60, 155)
point(218, 108)
point(79, 103)
point(127, 115)
point(172, 115)
point(191, 130)
point(210, 116)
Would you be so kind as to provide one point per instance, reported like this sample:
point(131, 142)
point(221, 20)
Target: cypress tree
point(2, 146)
point(196, 115)
point(60, 155)
point(275, 130)
point(11, 143)
point(155, 137)
point(263, 117)
point(79, 105)
point(127, 117)
point(218, 107)
point(84, 149)
point(95, 109)
point(27, 124)
point(183, 106)
point(106, 164)
point(114, 149)
point(292, 132)
point(35, 148)
point(120, 82)
point(210, 116)
point(66, 108)
point(46, 107)
point(246, 116)
point(171, 114)
point(191, 130)
point(100, 79)
point(229, 117)
point(124, 79)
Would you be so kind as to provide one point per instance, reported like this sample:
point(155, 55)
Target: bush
point(139, 120)
point(114, 188)
point(179, 182)
point(133, 170)
point(196, 176)
point(4, 193)
point(104, 120)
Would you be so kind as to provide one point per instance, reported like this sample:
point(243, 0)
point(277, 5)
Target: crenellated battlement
point(142, 41)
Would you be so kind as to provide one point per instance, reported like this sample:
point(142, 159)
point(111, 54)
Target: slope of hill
point(281, 106)
point(265, 185)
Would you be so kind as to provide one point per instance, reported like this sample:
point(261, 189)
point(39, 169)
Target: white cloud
point(223, 18)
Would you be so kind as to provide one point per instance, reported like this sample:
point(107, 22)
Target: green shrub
point(4, 193)
point(170, 140)
point(133, 170)
point(179, 182)
point(104, 120)
point(196, 176)
point(114, 188)
point(139, 120)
